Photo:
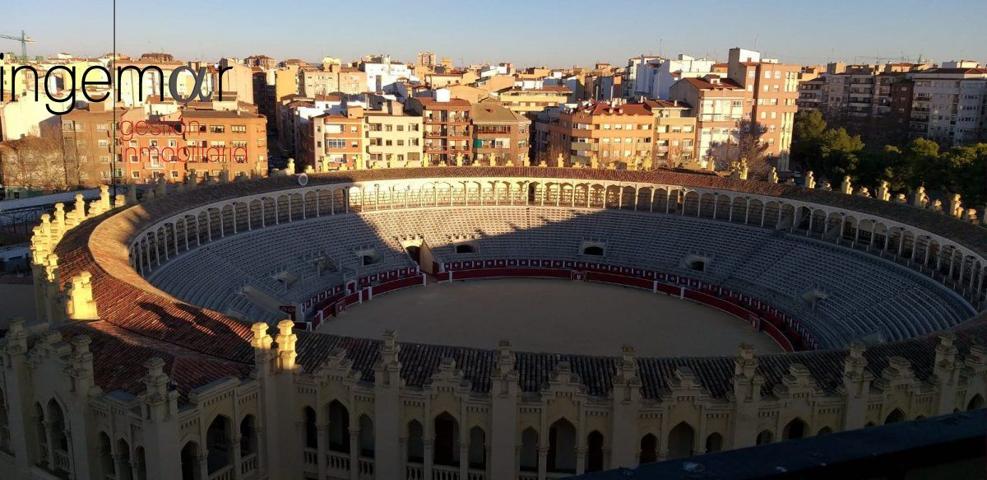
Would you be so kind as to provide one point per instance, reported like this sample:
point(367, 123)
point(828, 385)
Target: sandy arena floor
point(550, 316)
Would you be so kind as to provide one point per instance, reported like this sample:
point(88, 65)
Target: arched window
point(594, 452)
point(681, 440)
point(416, 443)
point(562, 447)
point(714, 442)
point(56, 422)
point(446, 440)
point(794, 430)
point(366, 437)
point(465, 248)
point(190, 461)
point(765, 437)
point(104, 450)
point(248, 436)
point(125, 470)
point(529, 450)
point(478, 449)
point(311, 429)
point(339, 427)
point(894, 417)
point(218, 445)
point(593, 250)
point(697, 265)
point(975, 403)
point(824, 431)
point(649, 449)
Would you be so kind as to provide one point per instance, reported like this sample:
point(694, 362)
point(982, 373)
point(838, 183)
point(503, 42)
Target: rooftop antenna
point(661, 47)
point(755, 41)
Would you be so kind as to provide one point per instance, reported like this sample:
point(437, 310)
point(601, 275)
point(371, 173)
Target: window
point(238, 128)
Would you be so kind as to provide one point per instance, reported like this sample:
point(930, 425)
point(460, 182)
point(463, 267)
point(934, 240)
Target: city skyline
point(534, 35)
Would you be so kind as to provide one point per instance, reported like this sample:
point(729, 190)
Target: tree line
point(833, 152)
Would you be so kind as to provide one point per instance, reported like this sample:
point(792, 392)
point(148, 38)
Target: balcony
point(225, 473)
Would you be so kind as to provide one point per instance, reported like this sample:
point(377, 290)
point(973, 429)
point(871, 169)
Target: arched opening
point(416, 442)
point(594, 452)
point(975, 403)
point(714, 442)
point(311, 429)
point(125, 471)
point(141, 459)
point(680, 441)
point(824, 431)
point(248, 437)
point(190, 461)
point(369, 259)
point(446, 440)
point(529, 450)
point(366, 437)
point(339, 427)
point(595, 250)
point(562, 447)
point(59, 439)
point(218, 444)
point(4, 424)
point(106, 465)
point(794, 430)
point(39, 425)
point(465, 248)
point(478, 449)
point(697, 265)
point(765, 437)
point(895, 416)
point(415, 252)
point(649, 449)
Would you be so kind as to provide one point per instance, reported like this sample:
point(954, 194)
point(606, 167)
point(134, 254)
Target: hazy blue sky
point(526, 32)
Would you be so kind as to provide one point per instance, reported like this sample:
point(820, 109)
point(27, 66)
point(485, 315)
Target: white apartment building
point(382, 73)
point(653, 79)
point(949, 104)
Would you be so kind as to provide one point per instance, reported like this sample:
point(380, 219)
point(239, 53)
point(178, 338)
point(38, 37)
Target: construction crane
point(24, 39)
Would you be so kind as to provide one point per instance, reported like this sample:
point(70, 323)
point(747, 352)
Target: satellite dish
point(303, 179)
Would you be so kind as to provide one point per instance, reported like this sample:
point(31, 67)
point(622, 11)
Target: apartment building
point(949, 104)
point(500, 136)
point(674, 142)
point(654, 78)
point(333, 141)
point(603, 135)
point(393, 139)
point(218, 141)
point(381, 73)
point(87, 144)
point(529, 102)
point(718, 105)
point(447, 130)
point(333, 78)
point(771, 90)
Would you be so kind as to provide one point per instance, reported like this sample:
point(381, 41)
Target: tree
point(807, 133)
point(751, 146)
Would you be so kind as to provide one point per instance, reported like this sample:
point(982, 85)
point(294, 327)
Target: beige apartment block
point(393, 138)
point(675, 134)
point(532, 101)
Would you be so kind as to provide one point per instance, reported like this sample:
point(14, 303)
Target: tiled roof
point(702, 84)
point(200, 346)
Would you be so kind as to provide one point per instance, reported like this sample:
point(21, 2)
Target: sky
point(554, 33)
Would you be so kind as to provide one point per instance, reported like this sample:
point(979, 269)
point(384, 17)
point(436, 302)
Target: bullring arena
point(482, 323)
